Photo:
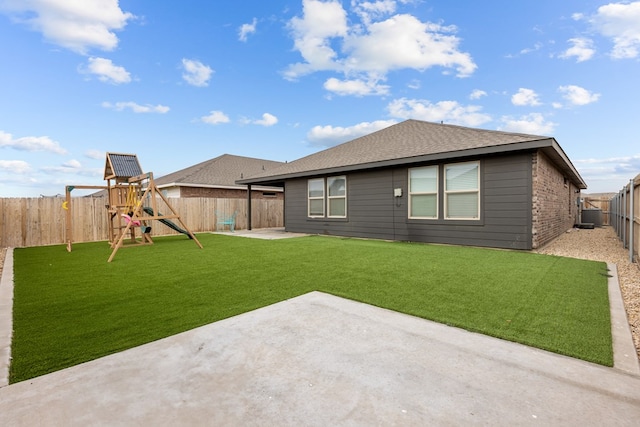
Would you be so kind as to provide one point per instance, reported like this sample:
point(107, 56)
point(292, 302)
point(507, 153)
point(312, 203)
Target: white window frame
point(330, 197)
point(310, 198)
point(448, 192)
point(424, 193)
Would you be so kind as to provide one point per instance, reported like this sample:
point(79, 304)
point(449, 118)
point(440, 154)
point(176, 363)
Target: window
point(462, 191)
point(423, 192)
point(316, 197)
point(337, 196)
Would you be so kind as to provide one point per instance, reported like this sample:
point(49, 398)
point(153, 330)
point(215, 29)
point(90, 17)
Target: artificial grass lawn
point(74, 307)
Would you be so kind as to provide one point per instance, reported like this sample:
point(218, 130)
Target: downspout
point(249, 207)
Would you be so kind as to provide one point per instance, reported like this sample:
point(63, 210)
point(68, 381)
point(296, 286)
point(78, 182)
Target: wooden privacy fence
point(625, 217)
point(41, 221)
point(601, 203)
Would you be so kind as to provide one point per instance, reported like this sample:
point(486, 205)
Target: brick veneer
point(555, 207)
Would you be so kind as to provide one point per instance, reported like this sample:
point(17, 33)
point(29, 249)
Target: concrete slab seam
point(6, 317)
point(625, 356)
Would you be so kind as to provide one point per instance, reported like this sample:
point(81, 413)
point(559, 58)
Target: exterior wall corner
point(554, 206)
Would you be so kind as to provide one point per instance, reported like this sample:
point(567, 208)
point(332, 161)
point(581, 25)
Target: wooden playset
point(133, 203)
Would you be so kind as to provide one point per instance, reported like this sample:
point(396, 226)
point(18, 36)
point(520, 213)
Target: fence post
point(618, 214)
point(625, 199)
point(614, 213)
point(631, 220)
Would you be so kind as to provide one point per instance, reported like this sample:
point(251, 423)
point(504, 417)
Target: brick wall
point(229, 193)
point(555, 208)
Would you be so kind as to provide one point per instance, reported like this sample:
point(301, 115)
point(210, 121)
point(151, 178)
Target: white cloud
point(107, 72)
point(608, 174)
point(327, 136)
point(215, 117)
point(246, 29)
point(414, 84)
point(15, 166)
point(443, 111)
point(30, 143)
point(321, 21)
point(355, 87)
point(577, 95)
point(621, 23)
point(330, 40)
point(368, 11)
point(267, 120)
point(525, 97)
point(403, 41)
point(477, 94)
point(196, 73)
point(136, 108)
point(74, 25)
point(536, 47)
point(72, 164)
point(534, 124)
point(95, 154)
point(582, 49)
point(69, 167)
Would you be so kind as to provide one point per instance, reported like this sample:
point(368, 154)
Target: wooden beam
point(68, 227)
point(193, 236)
point(137, 215)
point(86, 187)
point(139, 177)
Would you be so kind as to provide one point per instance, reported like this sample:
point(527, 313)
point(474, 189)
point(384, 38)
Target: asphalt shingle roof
point(224, 170)
point(411, 141)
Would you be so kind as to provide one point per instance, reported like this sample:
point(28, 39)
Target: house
point(217, 178)
point(428, 182)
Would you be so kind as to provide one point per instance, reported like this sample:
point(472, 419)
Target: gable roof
point(415, 141)
point(118, 165)
point(222, 171)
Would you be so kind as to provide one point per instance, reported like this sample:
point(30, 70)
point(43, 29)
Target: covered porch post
point(249, 207)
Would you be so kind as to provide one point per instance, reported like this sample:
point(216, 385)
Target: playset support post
point(132, 203)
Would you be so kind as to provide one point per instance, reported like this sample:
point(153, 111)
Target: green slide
point(166, 222)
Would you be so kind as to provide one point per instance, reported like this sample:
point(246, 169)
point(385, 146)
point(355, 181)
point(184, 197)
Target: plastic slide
point(168, 223)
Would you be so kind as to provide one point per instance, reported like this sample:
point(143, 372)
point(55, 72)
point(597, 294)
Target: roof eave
point(226, 187)
point(549, 144)
point(557, 154)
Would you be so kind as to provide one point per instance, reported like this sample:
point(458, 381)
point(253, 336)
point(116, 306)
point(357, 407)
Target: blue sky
point(178, 83)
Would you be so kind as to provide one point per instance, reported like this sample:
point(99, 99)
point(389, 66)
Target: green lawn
point(74, 307)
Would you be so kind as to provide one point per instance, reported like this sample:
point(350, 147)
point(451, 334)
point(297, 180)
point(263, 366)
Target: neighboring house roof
point(220, 172)
point(414, 141)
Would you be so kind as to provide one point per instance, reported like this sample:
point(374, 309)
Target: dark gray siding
point(373, 212)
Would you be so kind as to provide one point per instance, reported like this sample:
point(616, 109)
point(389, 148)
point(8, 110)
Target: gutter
point(549, 143)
